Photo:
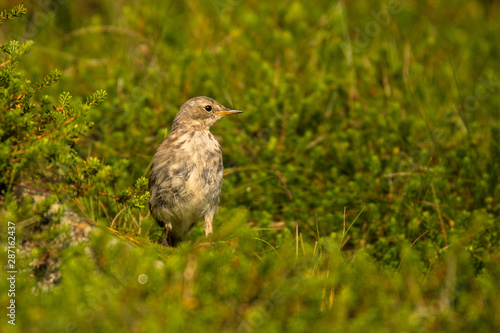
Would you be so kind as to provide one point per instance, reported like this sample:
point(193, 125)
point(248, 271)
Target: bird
point(185, 180)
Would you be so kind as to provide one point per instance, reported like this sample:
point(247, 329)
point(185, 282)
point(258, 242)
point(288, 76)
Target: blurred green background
point(362, 190)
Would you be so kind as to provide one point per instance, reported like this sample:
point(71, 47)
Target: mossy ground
point(362, 191)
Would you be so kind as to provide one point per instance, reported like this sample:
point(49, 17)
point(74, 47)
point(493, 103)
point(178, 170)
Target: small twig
point(401, 262)
point(80, 206)
point(113, 222)
point(140, 223)
point(5, 62)
point(440, 215)
point(443, 249)
point(103, 208)
point(314, 142)
point(283, 183)
point(402, 174)
point(343, 242)
point(233, 170)
point(134, 220)
point(267, 243)
point(63, 124)
point(419, 237)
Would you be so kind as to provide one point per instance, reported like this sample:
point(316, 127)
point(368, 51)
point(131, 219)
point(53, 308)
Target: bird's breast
point(199, 155)
point(187, 175)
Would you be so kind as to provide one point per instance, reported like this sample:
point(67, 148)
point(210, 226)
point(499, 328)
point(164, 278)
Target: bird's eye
point(208, 108)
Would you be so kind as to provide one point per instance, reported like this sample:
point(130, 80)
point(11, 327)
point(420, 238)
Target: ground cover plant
point(361, 190)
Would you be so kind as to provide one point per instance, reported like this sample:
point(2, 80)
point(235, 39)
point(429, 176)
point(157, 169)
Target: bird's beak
point(226, 112)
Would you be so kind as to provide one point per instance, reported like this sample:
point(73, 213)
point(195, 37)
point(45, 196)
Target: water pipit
point(186, 175)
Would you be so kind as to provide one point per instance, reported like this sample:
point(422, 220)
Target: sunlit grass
point(361, 188)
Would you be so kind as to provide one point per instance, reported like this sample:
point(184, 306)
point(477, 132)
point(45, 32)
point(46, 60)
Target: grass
point(361, 191)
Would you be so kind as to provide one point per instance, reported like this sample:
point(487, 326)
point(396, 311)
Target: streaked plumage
point(186, 176)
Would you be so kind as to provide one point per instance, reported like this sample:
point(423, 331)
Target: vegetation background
point(362, 190)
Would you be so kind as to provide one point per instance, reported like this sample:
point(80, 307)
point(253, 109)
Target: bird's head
point(201, 113)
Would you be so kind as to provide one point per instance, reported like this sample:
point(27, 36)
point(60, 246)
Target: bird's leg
point(168, 228)
point(208, 227)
